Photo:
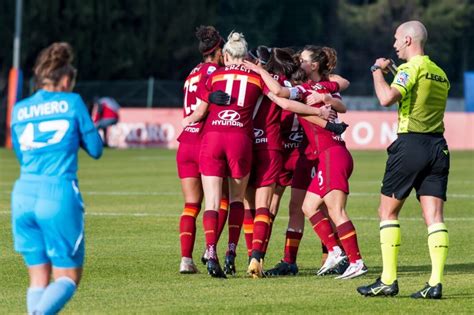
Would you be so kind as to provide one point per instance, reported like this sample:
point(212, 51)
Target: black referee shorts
point(419, 161)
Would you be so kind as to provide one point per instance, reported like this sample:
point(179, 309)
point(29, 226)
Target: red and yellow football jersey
point(244, 87)
point(194, 89)
point(319, 139)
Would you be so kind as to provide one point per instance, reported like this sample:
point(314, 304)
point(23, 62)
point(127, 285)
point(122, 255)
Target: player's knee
point(337, 214)
point(387, 213)
point(308, 209)
point(72, 275)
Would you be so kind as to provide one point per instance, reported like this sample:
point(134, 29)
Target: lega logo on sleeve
point(402, 78)
point(211, 69)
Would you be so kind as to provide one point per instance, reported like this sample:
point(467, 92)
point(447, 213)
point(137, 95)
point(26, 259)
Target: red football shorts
point(187, 160)
point(304, 171)
point(225, 154)
point(266, 166)
point(333, 171)
point(288, 168)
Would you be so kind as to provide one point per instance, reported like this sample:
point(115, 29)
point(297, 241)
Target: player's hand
point(327, 98)
point(314, 98)
point(325, 111)
point(337, 128)
point(252, 66)
point(332, 115)
point(383, 64)
point(219, 98)
point(185, 122)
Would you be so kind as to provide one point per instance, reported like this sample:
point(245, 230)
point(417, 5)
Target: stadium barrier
point(369, 130)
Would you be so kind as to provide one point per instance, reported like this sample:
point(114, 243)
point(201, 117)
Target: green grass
point(134, 201)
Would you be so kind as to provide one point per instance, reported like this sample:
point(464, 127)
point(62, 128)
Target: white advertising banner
point(368, 130)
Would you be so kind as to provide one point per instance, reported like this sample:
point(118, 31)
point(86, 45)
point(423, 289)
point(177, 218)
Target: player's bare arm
point(197, 115)
point(316, 97)
point(319, 117)
point(297, 107)
point(272, 84)
point(336, 103)
point(337, 128)
point(343, 82)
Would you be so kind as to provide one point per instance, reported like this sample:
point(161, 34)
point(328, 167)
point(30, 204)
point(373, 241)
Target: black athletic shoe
point(214, 269)
point(282, 269)
point(229, 265)
point(378, 288)
point(429, 292)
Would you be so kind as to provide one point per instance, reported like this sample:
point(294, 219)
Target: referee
point(419, 158)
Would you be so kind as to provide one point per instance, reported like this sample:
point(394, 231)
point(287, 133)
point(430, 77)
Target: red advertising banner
point(367, 130)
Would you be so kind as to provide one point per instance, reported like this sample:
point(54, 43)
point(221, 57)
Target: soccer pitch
point(133, 203)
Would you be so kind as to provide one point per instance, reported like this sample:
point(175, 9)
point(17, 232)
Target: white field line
point(352, 182)
point(173, 193)
point(176, 215)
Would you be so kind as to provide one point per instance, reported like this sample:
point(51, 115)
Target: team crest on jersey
point(287, 83)
point(402, 78)
point(211, 69)
point(317, 86)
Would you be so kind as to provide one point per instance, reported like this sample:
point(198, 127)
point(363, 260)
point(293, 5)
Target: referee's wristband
point(375, 68)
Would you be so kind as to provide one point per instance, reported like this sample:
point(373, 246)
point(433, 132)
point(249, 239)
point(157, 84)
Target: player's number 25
point(191, 86)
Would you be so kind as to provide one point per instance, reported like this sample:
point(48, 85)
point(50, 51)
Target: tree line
point(136, 39)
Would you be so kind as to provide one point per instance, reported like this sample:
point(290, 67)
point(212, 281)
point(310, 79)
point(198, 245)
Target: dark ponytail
point(281, 62)
point(209, 40)
point(325, 56)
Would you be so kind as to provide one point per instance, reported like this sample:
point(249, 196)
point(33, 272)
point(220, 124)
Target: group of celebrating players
point(257, 121)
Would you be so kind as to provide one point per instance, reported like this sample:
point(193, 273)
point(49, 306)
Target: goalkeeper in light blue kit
point(47, 210)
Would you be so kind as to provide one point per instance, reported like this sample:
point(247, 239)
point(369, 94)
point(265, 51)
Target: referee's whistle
point(392, 67)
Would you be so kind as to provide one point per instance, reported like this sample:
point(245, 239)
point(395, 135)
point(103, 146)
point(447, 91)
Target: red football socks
point(187, 228)
point(292, 244)
point(269, 233)
point(261, 227)
point(223, 211)
point(249, 216)
point(210, 223)
point(236, 219)
point(323, 228)
point(348, 236)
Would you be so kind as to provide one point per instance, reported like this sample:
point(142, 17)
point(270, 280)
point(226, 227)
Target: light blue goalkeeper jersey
point(47, 130)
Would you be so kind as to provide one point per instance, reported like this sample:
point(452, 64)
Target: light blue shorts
point(48, 222)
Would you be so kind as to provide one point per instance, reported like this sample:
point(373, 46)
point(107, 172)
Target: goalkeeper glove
point(219, 98)
point(337, 128)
